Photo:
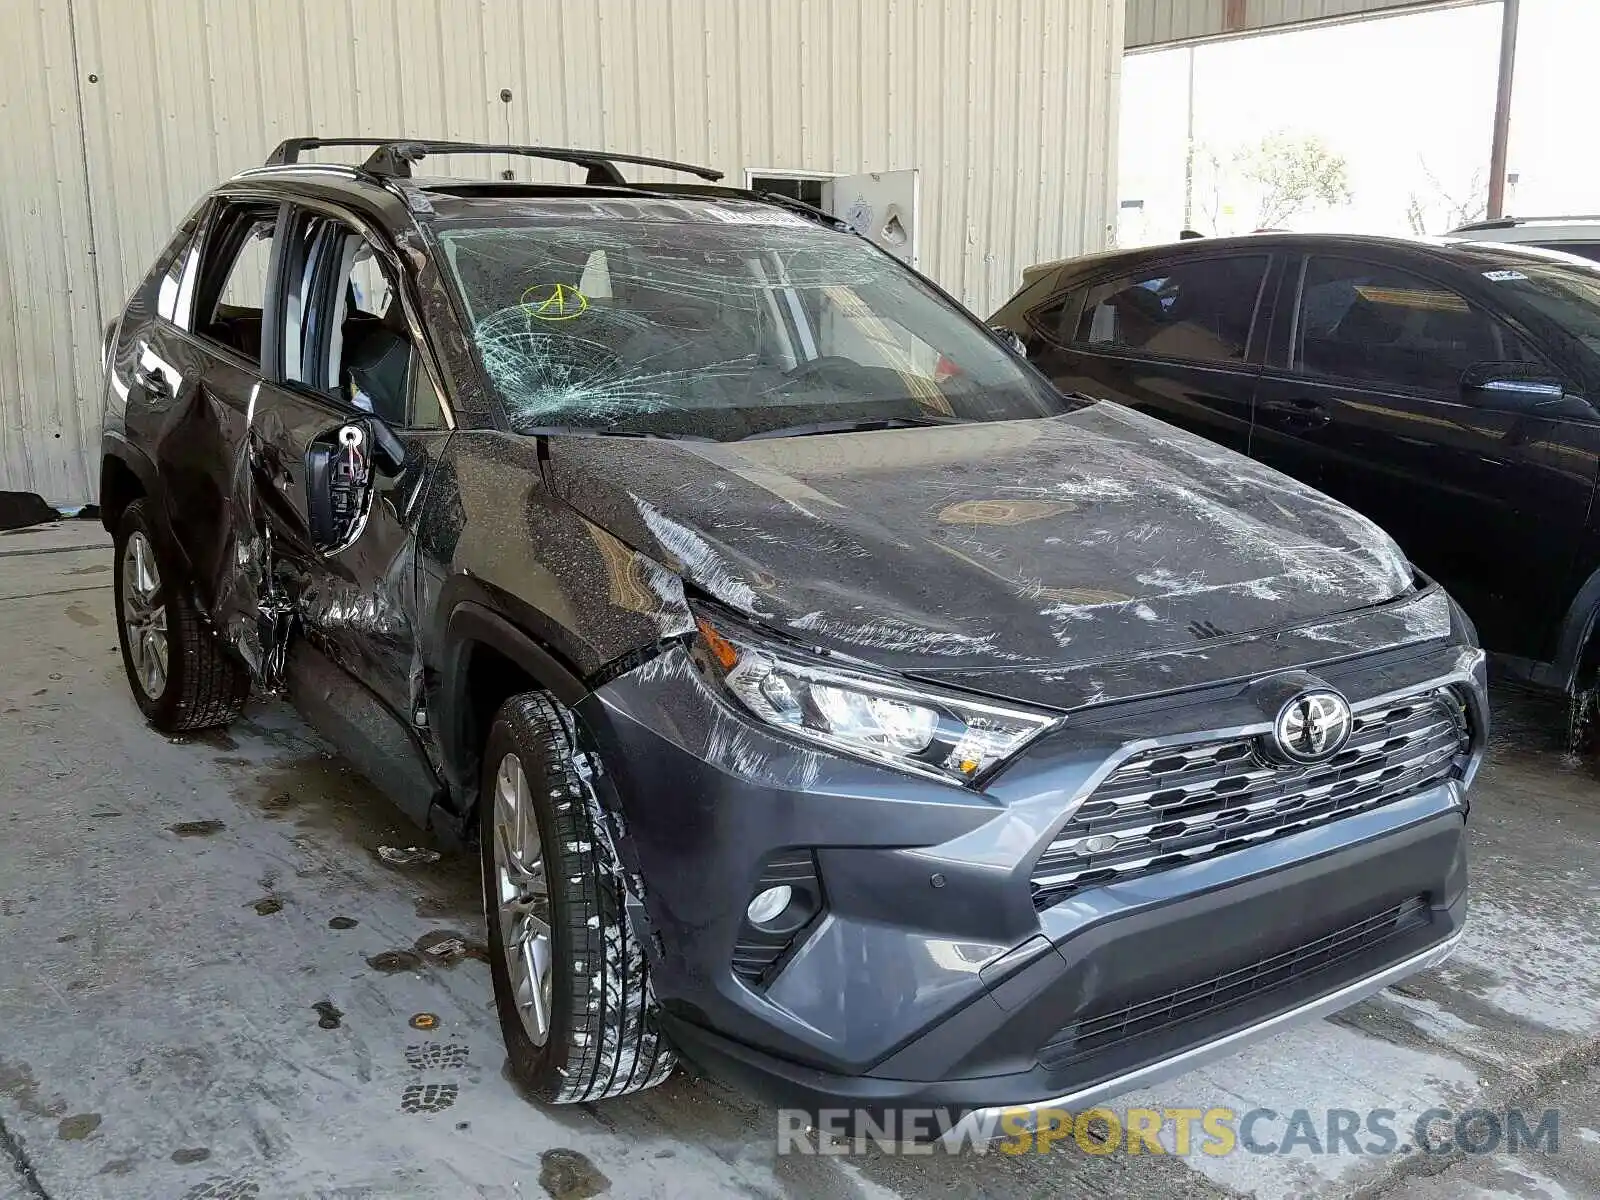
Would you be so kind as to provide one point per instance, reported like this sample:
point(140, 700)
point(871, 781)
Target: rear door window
point(1377, 324)
point(234, 270)
point(1200, 310)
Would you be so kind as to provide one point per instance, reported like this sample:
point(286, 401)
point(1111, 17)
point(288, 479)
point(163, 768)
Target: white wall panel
point(49, 325)
point(1006, 107)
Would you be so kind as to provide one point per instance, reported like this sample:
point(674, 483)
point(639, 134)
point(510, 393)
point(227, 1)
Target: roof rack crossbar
point(393, 157)
point(1508, 221)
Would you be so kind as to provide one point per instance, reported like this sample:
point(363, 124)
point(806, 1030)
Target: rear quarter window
point(167, 290)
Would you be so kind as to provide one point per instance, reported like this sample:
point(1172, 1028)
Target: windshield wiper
point(860, 425)
point(607, 431)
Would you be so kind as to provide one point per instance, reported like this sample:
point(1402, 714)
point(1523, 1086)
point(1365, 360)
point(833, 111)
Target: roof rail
point(393, 157)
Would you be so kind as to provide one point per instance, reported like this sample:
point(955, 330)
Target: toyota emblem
point(1311, 727)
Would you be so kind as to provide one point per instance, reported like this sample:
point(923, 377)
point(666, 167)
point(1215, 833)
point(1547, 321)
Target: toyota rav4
point(831, 700)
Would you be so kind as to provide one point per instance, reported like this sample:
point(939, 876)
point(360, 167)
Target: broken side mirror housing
point(341, 465)
point(1011, 339)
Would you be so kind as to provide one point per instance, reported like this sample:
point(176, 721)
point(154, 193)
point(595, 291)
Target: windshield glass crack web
point(717, 320)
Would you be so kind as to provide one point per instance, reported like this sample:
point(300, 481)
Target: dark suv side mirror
point(1512, 384)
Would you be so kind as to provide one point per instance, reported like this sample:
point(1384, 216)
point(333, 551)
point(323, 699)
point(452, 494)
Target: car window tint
point(1555, 299)
point(1377, 324)
point(426, 412)
point(231, 311)
point(247, 281)
point(371, 354)
point(1053, 318)
point(175, 294)
point(1197, 310)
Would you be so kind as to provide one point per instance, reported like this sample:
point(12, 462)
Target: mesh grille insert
point(1095, 1034)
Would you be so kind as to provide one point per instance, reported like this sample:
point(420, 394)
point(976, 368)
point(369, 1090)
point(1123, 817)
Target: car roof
point(456, 201)
point(385, 186)
point(1586, 220)
point(1460, 251)
point(398, 201)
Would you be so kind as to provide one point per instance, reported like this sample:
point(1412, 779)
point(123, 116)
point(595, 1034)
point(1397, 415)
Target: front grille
point(1098, 1033)
point(1172, 805)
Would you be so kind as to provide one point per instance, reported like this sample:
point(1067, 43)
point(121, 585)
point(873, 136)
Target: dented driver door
point(345, 464)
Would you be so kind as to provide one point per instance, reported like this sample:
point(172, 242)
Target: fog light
point(769, 905)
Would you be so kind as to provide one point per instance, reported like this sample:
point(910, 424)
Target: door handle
point(152, 380)
point(1301, 412)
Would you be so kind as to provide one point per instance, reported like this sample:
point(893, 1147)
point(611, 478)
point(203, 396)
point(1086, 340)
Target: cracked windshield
point(761, 325)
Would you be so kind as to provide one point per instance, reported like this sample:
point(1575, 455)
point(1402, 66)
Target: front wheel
point(569, 975)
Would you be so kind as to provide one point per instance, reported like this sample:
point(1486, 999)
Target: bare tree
point(1444, 208)
point(1291, 172)
point(1210, 178)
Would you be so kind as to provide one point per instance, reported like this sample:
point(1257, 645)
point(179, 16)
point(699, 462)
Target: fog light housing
point(768, 905)
point(786, 903)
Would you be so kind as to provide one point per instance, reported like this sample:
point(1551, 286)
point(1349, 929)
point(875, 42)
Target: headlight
point(948, 737)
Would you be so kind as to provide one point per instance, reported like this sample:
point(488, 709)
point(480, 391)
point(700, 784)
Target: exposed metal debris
point(408, 856)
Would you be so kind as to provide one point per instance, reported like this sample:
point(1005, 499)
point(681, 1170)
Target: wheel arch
point(126, 474)
point(486, 660)
point(1577, 653)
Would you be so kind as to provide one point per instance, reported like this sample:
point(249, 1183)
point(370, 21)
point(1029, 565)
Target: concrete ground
point(212, 986)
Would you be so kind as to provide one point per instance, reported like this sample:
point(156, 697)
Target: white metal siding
point(1007, 108)
point(49, 330)
point(1152, 24)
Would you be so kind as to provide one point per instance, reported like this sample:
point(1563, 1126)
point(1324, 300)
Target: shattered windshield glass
point(741, 321)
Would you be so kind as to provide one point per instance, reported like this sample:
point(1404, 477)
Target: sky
point(1407, 101)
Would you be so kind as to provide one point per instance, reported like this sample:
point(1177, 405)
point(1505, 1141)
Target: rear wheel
point(569, 975)
point(182, 677)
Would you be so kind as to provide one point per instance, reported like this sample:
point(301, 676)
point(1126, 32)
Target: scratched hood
point(1089, 537)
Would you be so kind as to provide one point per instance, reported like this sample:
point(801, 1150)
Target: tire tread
point(613, 1045)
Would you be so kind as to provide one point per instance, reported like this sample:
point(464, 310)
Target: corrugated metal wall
point(49, 316)
point(1007, 108)
point(1152, 24)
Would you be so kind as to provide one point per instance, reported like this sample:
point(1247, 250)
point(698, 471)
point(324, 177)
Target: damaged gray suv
point(833, 702)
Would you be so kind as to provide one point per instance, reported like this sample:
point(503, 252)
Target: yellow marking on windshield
point(554, 302)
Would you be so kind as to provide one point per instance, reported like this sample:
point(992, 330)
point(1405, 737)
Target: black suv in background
point(831, 699)
point(1446, 389)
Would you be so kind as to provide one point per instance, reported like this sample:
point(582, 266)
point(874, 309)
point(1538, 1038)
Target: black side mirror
point(1011, 339)
point(1514, 384)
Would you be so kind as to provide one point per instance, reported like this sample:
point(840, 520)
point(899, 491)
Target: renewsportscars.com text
point(1178, 1131)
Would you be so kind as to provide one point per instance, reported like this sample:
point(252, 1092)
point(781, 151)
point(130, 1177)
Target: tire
point(600, 1036)
point(198, 685)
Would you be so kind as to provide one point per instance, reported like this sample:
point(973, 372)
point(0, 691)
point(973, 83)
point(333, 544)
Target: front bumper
point(930, 980)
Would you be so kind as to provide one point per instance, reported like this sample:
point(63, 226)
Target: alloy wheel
point(523, 898)
point(144, 619)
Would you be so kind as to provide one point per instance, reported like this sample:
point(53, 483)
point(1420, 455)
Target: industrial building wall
point(115, 115)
